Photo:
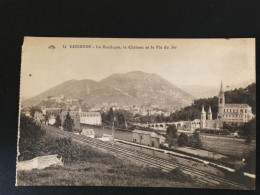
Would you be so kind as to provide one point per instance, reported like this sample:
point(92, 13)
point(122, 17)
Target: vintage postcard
point(177, 113)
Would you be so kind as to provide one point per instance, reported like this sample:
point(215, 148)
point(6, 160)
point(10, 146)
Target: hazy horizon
point(202, 62)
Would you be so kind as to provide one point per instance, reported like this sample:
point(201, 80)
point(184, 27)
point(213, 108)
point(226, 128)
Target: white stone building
point(90, 118)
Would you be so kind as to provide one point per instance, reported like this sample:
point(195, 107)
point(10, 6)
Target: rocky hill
point(130, 88)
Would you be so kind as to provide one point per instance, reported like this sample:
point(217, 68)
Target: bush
point(194, 140)
point(68, 123)
point(214, 131)
point(183, 139)
point(33, 143)
point(30, 135)
point(230, 127)
point(181, 175)
point(66, 149)
point(248, 130)
point(250, 165)
point(171, 134)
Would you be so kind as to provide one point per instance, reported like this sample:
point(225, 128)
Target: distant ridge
point(135, 87)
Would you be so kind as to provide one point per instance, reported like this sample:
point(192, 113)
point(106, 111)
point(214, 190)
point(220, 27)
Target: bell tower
point(203, 118)
point(221, 102)
point(209, 114)
point(221, 97)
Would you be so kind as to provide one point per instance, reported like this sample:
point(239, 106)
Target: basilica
point(227, 114)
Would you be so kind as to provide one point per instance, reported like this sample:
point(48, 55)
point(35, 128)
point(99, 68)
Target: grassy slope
point(107, 170)
point(99, 174)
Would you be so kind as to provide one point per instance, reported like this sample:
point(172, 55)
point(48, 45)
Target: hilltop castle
point(227, 113)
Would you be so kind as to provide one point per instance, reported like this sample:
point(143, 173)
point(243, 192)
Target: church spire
point(202, 118)
point(221, 96)
point(221, 88)
point(209, 114)
point(202, 110)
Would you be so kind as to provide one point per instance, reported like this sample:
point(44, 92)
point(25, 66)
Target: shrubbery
point(194, 140)
point(214, 131)
point(33, 143)
point(68, 123)
point(248, 130)
point(183, 139)
point(177, 172)
point(65, 148)
point(30, 136)
point(171, 134)
point(191, 141)
point(118, 118)
point(230, 127)
point(250, 166)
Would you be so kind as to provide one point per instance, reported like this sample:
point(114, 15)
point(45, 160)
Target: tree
point(183, 139)
point(230, 127)
point(248, 130)
point(195, 141)
point(121, 120)
point(158, 118)
point(30, 135)
point(45, 119)
point(172, 130)
point(171, 134)
point(68, 123)
point(110, 116)
point(104, 118)
point(58, 121)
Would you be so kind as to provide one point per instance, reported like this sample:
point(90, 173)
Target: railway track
point(147, 159)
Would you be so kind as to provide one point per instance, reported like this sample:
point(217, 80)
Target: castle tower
point(209, 114)
point(203, 118)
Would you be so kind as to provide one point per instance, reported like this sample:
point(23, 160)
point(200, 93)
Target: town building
point(82, 118)
point(166, 114)
point(26, 111)
point(51, 111)
point(90, 118)
point(148, 138)
point(88, 133)
point(38, 116)
point(227, 113)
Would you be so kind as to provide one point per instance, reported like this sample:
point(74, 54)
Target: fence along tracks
point(147, 159)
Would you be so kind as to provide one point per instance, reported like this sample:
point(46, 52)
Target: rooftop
point(148, 133)
point(237, 105)
point(88, 114)
point(88, 131)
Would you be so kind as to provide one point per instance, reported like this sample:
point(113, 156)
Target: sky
point(187, 61)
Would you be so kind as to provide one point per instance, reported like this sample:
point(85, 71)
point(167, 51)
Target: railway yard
point(208, 176)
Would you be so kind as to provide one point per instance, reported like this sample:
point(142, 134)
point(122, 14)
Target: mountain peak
point(136, 72)
point(134, 87)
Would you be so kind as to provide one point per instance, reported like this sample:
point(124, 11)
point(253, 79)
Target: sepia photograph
point(178, 113)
